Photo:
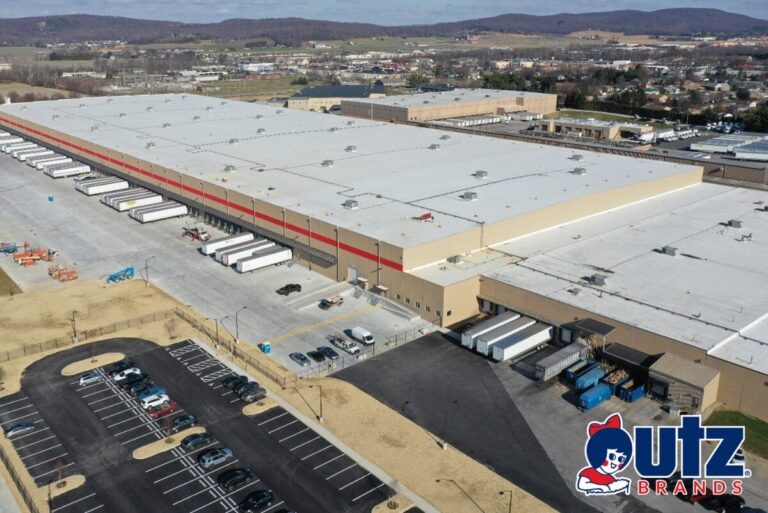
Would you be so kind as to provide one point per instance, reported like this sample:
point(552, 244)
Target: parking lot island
point(99, 360)
point(164, 444)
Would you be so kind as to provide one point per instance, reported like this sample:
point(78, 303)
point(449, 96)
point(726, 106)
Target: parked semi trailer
point(41, 165)
point(271, 256)
point(552, 365)
point(251, 248)
point(9, 147)
point(32, 161)
point(221, 253)
point(486, 341)
point(164, 210)
point(211, 246)
point(589, 378)
point(594, 396)
point(102, 186)
point(470, 335)
point(22, 151)
point(150, 198)
point(110, 198)
point(41, 152)
point(631, 390)
point(68, 169)
point(522, 342)
point(7, 141)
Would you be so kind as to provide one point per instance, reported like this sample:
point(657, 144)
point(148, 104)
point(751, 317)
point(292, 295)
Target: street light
point(511, 495)
point(319, 417)
point(146, 268)
point(462, 490)
point(217, 321)
point(237, 326)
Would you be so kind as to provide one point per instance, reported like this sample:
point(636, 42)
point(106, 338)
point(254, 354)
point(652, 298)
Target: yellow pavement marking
point(313, 327)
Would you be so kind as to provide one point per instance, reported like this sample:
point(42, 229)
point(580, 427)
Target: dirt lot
point(7, 285)
point(20, 88)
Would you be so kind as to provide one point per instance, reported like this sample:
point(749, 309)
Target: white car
point(345, 344)
point(120, 376)
point(154, 400)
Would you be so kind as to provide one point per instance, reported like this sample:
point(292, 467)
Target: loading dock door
point(352, 275)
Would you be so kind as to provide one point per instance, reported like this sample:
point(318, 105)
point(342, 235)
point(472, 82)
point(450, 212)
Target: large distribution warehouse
point(451, 224)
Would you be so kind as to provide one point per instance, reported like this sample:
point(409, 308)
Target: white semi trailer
point(486, 341)
point(271, 256)
point(211, 246)
point(521, 342)
point(232, 257)
point(469, 336)
point(164, 210)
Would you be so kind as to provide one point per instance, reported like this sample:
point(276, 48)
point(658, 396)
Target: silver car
point(214, 457)
point(19, 429)
point(89, 378)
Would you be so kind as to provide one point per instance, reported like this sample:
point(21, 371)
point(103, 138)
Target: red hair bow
point(614, 421)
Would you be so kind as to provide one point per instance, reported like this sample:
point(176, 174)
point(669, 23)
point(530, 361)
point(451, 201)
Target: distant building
point(594, 129)
point(325, 98)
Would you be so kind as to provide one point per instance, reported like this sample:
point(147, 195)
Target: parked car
point(300, 359)
point(89, 378)
point(242, 386)
point(288, 289)
point(125, 374)
point(120, 367)
point(253, 394)
point(233, 479)
point(19, 429)
point(192, 442)
point(738, 458)
point(139, 387)
point(154, 400)
point(331, 302)
point(254, 501)
point(133, 379)
point(231, 381)
point(152, 390)
point(328, 352)
point(163, 410)
point(344, 344)
point(316, 356)
point(362, 335)
point(214, 457)
point(183, 422)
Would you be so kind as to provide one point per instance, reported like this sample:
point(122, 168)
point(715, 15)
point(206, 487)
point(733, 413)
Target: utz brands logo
point(610, 449)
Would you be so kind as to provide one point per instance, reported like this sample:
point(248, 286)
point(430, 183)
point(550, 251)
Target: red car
point(163, 410)
point(698, 497)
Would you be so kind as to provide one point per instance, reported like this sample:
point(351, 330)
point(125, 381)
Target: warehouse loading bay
point(99, 241)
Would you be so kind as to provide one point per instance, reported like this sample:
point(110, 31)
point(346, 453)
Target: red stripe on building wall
point(222, 201)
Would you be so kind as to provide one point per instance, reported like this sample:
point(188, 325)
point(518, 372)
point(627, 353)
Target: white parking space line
point(185, 469)
point(18, 418)
point(305, 443)
point(17, 409)
point(327, 462)
point(124, 421)
point(295, 434)
point(39, 452)
point(218, 499)
point(33, 433)
point(294, 421)
point(273, 506)
point(366, 493)
point(53, 470)
point(316, 452)
point(94, 509)
point(181, 457)
point(197, 477)
point(98, 392)
point(139, 437)
point(227, 393)
point(118, 403)
point(102, 399)
point(193, 357)
point(273, 418)
point(73, 502)
point(340, 471)
point(86, 387)
point(234, 400)
point(129, 409)
point(34, 443)
point(12, 402)
point(47, 461)
point(355, 481)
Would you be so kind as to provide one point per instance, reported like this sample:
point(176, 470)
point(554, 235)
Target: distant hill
point(294, 31)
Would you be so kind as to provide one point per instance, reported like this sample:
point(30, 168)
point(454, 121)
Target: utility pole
point(237, 325)
point(146, 268)
point(320, 387)
point(74, 325)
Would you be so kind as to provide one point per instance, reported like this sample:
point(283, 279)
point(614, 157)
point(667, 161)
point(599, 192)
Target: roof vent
point(150, 145)
point(167, 100)
point(150, 109)
point(350, 149)
point(166, 125)
point(261, 170)
point(578, 171)
point(575, 291)
point(480, 174)
point(327, 163)
point(183, 96)
point(109, 100)
point(196, 118)
point(425, 101)
point(487, 95)
point(576, 157)
point(669, 250)
point(445, 137)
point(765, 208)
point(470, 196)
point(455, 259)
point(209, 108)
point(234, 141)
point(94, 127)
point(122, 114)
point(351, 204)
point(333, 129)
point(350, 122)
point(457, 99)
point(229, 168)
point(81, 105)
point(434, 146)
point(55, 116)
point(598, 279)
point(223, 103)
point(734, 223)
point(259, 116)
point(261, 131)
point(279, 111)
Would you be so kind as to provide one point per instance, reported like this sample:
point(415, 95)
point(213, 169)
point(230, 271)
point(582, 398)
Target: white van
point(362, 335)
point(153, 400)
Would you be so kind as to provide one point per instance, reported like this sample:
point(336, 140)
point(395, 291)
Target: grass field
point(20, 88)
point(757, 431)
point(252, 88)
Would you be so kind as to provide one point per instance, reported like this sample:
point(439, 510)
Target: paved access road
point(96, 428)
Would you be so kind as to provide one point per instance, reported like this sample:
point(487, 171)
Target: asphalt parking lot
point(94, 429)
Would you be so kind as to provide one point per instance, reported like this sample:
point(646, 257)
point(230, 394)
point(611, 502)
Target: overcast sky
point(389, 12)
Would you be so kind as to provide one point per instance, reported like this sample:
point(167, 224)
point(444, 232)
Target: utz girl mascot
point(608, 451)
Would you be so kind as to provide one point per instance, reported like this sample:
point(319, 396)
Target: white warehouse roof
point(389, 169)
point(444, 97)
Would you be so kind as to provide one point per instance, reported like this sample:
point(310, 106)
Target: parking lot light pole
point(146, 268)
point(217, 329)
point(237, 325)
point(74, 325)
point(462, 490)
point(511, 495)
point(319, 417)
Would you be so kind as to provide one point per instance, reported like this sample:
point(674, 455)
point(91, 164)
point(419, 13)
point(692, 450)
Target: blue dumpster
point(266, 347)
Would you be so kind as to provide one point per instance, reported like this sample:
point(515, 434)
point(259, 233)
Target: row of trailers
point(141, 204)
point(507, 336)
point(246, 252)
point(41, 158)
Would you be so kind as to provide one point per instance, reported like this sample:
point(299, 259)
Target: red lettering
point(699, 487)
point(738, 487)
point(642, 487)
point(661, 487)
point(718, 486)
point(680, 489)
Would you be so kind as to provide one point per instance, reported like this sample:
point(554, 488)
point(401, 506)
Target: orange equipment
point(61, 273)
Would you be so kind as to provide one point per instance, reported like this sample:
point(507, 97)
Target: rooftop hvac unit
point(279, 111)
point(426, 101)
point(333, 129)
point(445, 137)
point(223, 103)
point(234, 141)
point(109, 100)
point(669, 250)
point(434, 146)
point(576, 157)
point(480, 174)
point(469, 196)
point(351, 204)
point(209, 108)
point(260, 131)
point(166, 125)
point(455, 259)
point(765, 208)
point(196, 118)
point(350, 149)
point(575, 291)
point(350, 122)
point(150, 145)
point(81, 105)
point(457, 99)
point(167, 100)
point(327, 163)
point(55, 116)
point(259, 116)
point(94, 127)
point(229, 168)
point(122, 114)
point(150, 109)
point(734, 223)
point(183, 96)
point(598, 279)
point(578, 171)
